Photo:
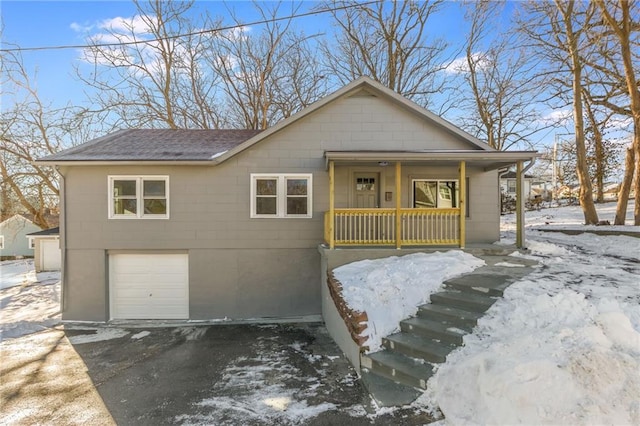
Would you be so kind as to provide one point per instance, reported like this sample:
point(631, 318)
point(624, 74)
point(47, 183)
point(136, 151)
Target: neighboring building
point(508, 185)
point(46, 249)
point(13, 237)
point(213, 224)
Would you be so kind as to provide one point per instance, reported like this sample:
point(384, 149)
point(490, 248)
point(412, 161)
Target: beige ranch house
point(235, 224)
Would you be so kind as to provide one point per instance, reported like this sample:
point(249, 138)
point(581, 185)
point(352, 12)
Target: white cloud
point(80, 28)
point(558, 117)
point(136, 25)
point(460, 66)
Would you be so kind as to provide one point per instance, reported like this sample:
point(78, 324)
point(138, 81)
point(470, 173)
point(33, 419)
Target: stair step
point(417, 347)
point(466, 301)
point(465, 320)
point(482, 284)
point(386, 392)
point(399, 368)
point(433, 329)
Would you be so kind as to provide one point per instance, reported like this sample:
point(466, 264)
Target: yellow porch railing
point(378, 227)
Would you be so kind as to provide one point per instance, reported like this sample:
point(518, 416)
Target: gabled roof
point(215, 146)
point(512, 175)
point(17, 216)
point(46, 232)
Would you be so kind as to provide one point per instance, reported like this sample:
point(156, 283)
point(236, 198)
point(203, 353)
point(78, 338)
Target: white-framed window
point(281, 195)
point(32, 242)
point(138, 197)
point(435, 194)
point(511, 186)
point(1, 242)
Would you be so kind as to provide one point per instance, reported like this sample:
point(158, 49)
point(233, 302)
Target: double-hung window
point(281, 195)
point(138, 197)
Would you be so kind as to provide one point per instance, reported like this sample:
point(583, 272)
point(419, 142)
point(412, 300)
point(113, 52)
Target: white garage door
point(149, 286)
point(50, 253)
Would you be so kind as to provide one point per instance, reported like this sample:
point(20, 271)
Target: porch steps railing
point(378, 227)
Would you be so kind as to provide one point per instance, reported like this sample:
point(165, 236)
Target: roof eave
point(126, 162)
point(497, 159)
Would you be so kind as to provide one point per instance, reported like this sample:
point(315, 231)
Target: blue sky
point(55, 23)
point(52, 23)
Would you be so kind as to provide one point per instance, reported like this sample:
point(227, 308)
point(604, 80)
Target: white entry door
point(149, 286)
point(50, 254)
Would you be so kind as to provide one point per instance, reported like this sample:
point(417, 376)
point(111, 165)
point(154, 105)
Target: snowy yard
point(562, 346)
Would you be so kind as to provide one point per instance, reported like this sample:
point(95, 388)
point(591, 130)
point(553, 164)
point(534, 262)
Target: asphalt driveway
point(213, 375)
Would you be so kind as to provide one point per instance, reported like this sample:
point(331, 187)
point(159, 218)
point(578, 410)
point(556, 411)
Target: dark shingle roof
point(512, 175)
point(156, 145)
point(50, 231)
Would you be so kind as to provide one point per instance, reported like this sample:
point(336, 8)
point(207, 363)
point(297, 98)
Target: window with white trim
point(281, 195)
point(32, 242)
point(435, 194)
point(138, 197)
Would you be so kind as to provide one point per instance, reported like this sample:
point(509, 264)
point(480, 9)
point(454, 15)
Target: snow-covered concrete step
point(483, 284)
point(417, 347)
point(387, 392)
point(456, 317)
point(433, 330)
point(463, 300)
point(399, 368)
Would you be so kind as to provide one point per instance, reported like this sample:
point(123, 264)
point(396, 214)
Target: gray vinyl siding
point(241, 267)
point(16, 243)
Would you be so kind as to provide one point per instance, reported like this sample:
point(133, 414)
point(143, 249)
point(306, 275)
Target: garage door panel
point(149, 286)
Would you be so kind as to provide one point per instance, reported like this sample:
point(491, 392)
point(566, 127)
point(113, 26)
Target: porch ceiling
point(487, 160)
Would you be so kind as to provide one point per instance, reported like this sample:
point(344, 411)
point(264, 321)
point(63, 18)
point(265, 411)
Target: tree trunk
point(582, 168)
point(625, 187)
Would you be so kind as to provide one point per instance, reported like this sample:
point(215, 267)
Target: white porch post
point(519, 206)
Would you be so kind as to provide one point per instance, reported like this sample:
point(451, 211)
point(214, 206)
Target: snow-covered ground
point(29, 302)
point(562, 346)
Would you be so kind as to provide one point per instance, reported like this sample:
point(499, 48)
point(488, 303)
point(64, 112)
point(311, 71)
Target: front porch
point(421, 200)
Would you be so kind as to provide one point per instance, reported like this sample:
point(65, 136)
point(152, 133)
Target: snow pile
point(16, 272)
point(561, 347)
point(391, 289)
point(544, 360)
point(30, 302)
point(100, 334)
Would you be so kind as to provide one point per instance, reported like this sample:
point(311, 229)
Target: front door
point(366, 190)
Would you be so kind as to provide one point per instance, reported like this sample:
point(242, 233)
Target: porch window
point(281, 195)
point(138, 197)
point(435, 194)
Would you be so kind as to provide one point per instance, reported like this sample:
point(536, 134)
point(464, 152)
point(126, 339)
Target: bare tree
point(155, 77)
point(30, 129)
point(619, 19)
point(267, 74)
point(389, 42)
point(498, 96)
point(558, 31)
